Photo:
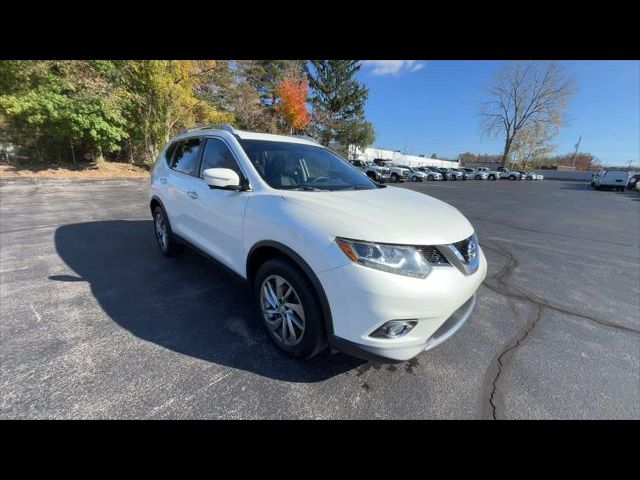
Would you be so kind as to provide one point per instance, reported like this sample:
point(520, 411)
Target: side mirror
point(222, 178)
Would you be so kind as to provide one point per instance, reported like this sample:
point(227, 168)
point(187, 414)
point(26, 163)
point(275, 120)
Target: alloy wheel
point(282, 310)
point(161, 232)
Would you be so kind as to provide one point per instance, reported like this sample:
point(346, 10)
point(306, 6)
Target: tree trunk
point(73, 153)
point(507, 150)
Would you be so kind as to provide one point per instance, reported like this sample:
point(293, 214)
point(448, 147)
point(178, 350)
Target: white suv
point(332, 258)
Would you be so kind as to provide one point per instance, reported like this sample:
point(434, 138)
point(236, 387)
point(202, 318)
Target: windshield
point(297, 166)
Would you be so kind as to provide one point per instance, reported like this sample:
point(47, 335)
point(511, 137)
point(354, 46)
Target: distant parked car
point(471, 173)
point(415, 175)
point(450, 174)
point(374, 172)
point(610, 179)
point(633, 182)
point(463, 173)
point(490, 174)
point(398, 174)
point(431, 172)
point(508, 174)
point(529, 175)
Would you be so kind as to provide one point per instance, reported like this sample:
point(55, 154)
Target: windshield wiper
point(310, 189)
point(358, 187)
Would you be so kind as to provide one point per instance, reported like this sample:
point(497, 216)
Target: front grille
point(462, 248)
point(433, 255)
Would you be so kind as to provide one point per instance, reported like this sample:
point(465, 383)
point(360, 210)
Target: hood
point(387, 215)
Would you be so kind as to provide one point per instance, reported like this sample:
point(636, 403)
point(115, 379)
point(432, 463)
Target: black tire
point(478, 177)
point(430, 178)
point(512, 177)
point(492, 177)
point(169, 246)
point(372, 176)
point(394, 178)
point(314, 339)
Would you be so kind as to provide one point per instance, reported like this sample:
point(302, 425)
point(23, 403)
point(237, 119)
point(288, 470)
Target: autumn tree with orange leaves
point(292, 107)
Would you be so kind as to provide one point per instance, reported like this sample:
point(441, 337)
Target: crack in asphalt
point(520, 294)
point(541, 304)
point(494, 385)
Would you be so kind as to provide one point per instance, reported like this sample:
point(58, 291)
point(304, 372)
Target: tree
point(292, 91)
point(62, 109)
point(523, 94)
point(166, 95)
point(354, 134)
point(265, 76)
point(336, 95)
point(532, 142)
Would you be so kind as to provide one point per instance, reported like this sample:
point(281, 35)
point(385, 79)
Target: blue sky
point(430, 107)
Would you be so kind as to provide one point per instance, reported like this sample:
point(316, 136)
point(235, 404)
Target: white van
point(616, 179)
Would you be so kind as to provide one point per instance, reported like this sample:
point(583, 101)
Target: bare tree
point(522, 94)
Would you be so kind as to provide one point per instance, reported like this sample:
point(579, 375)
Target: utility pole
point(576, 153)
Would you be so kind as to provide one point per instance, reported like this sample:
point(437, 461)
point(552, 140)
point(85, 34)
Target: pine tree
point(337, 97)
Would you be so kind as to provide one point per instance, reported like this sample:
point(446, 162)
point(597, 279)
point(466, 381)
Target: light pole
point(576, 153)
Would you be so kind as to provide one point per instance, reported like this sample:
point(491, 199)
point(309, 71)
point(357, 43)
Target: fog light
point(394, 328)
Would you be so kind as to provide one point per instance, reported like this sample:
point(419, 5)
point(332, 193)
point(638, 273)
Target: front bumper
point(362, 299)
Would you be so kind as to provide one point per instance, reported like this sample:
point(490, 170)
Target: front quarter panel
point(269, 217)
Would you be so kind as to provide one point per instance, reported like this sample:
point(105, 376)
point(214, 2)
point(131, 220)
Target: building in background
point(372, 153)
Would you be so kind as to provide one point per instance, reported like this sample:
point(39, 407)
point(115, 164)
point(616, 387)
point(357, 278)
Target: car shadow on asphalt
point(187, 304)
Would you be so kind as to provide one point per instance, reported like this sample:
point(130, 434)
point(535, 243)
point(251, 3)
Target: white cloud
point(393, 67)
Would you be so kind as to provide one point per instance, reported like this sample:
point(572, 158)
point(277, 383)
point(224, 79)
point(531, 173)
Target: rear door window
point(169, 153)
point(186, 158)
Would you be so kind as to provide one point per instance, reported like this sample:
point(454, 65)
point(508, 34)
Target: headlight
point(398, 259)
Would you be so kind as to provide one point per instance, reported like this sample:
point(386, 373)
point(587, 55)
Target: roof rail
point(306, 137)
point(212, 126)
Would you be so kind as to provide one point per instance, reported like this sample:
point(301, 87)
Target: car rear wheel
point(430, 178)
point(291, 312)
point(492, 177)
point(394, 177)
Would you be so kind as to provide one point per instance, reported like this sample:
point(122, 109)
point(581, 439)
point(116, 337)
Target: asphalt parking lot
point(96, 324)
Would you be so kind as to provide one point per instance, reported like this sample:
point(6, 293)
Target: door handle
point(192, 194)
point(163, 180)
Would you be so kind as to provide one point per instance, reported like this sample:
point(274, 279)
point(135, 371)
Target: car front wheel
point(164, 235)
point(291, 312)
